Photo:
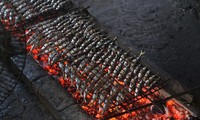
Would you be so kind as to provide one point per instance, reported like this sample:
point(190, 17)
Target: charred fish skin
point(112, 96)
point(123, 72)
point(97, 55)
point(38, 2)
point(146, 75)
point(66, 71)
point(141, 73)
point(3, 11)
point(78, 83)
point(82, 65)
point(61, 66)
point(120, 97)
point(102, 58)
point(102, 98)
point(5, 14)
point(124, 56)
point(92, 81)
point(136, 60)
point(153, 83)
point(90, 46)
point(76, 37)
point(132, 84)
point(44, 4)
point(55, 58)
point(41, 26)
point(93, 73)
point(137, 68)
point(101, 82)
point(18, 3)
point(117, 69)
point(89, 88)
point(91, 54)
point(77, 61)
point(89, 68)
point(108, 60)
point(90, 77)
point(61, 4)
point(114, 62)
point(149, 80)
point(128, 77)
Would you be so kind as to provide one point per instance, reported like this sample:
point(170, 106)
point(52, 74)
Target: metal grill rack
point(107, 78)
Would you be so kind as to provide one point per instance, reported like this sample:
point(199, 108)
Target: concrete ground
point(23, 105)
point(17, 102)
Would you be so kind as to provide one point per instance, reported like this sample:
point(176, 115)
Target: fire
point(172, 109)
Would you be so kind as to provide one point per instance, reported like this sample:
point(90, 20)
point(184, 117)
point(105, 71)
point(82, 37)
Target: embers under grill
point(88, 62)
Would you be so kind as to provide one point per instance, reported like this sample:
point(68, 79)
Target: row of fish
point(93, 56)
point(96, 66)
point(17, 10)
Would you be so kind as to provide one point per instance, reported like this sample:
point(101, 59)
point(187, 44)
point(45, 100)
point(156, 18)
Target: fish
point(150, 80)
point(141, 73)
point(89, 68)
point(113, 63)
point(66, 72)
point(120, 97)
point(122, 74)
point(124, 56)
point(108, 60)
point(18, 8)
point(78, 83)
point(137, 68)
point(97, 55)
point(82, 65)
point(118, 69)
point(128, 78)
point(138, 88)
point(102, 58)
point(132, 84)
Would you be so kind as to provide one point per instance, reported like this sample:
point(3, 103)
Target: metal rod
point(160, 101)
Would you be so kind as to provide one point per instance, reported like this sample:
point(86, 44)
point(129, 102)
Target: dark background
point(167, 30)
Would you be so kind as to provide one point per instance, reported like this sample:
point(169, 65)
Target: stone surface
point(31, 68)
point(50, 89)
point(74, 113)
point(7, 83)
point(22, 105)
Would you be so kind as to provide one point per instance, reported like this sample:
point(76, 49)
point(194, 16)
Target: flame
point(172, 109)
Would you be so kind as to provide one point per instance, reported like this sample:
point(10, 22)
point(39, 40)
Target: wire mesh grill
point(102, 72)
point(85, 57)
